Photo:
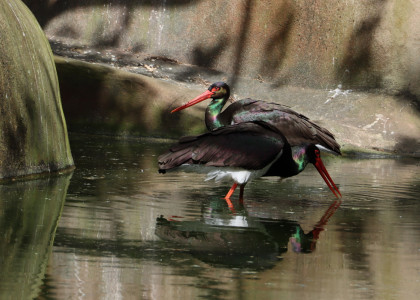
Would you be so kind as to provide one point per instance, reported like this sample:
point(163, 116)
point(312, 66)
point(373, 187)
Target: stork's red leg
point(232, 189)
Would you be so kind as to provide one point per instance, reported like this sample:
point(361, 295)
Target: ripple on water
point(127, 230)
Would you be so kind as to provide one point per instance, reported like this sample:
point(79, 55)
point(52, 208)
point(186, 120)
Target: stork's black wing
point(296, 128)
point(249, 145)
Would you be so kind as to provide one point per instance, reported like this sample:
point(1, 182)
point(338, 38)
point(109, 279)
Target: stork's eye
point(215, 89)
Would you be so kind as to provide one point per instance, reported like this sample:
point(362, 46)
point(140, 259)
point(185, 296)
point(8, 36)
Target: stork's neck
point(291, 162)
point(212, 116)
point(300, 157)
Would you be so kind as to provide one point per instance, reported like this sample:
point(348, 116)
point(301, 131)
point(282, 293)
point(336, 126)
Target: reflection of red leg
point(227, 197)
point(241, 194)
point(230, 205)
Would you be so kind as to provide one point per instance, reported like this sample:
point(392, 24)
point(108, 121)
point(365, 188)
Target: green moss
point(29, 214)
point(33, 133)
point(99, 99)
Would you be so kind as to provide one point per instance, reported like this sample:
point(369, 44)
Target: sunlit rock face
point(310, 43)
point(33, 133)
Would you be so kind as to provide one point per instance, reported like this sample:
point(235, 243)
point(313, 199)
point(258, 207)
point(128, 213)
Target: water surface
point(127, 232)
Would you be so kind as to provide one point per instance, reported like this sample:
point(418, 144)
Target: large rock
point(105, 100)
point(310, 43)
point(351, 67)
point(102, 99)
point(33, 133)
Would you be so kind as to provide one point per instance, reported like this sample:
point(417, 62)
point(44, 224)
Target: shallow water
point(115, 228)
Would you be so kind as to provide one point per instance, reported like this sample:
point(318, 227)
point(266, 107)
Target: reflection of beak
point(198, 99)
point(296, 246)
point(319, 165)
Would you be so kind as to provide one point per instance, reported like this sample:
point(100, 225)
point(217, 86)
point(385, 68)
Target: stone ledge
point(98, 98)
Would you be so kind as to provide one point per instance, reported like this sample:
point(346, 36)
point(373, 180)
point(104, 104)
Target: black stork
point(297, 128)
point(242, 152)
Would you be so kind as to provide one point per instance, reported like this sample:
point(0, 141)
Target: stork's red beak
point(319, 165)
point(202, 97)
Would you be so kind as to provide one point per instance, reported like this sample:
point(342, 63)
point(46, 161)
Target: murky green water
point(116, 229)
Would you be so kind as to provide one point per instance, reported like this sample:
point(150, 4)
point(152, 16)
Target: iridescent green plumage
point(249, 139)
point(297, 128)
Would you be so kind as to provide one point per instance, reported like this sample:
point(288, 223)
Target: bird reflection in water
point(237, 240)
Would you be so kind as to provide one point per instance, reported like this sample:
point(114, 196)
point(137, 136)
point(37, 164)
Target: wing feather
point(297, 128)
point(250, 145)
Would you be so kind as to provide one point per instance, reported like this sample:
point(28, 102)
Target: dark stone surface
point(33, 133)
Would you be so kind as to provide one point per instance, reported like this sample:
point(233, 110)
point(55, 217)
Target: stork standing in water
point(242, 152)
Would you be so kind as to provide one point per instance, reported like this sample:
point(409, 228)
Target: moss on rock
point(33, 133)
point(105, 100)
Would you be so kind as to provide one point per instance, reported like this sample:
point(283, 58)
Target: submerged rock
point(33, 133)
